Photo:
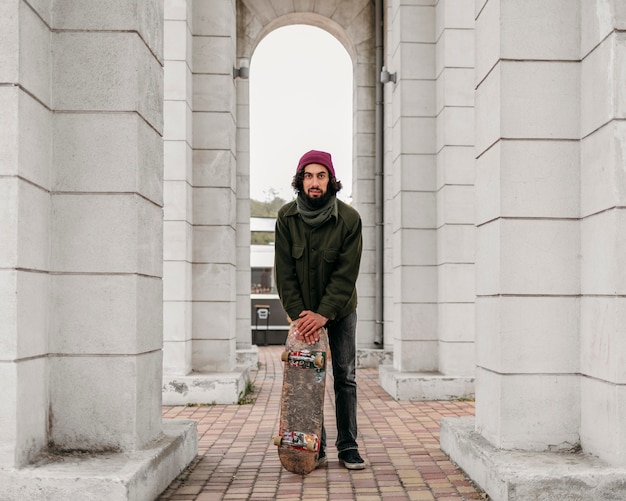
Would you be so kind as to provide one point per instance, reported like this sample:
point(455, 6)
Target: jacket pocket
point(297, 253)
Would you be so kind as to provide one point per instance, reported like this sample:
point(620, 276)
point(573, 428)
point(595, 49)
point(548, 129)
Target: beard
point(317, 202)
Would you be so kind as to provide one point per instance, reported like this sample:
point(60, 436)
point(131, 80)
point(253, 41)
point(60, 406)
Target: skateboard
point(302, 402)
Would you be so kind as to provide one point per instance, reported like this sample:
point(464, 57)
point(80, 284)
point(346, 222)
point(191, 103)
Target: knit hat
point(317, 157)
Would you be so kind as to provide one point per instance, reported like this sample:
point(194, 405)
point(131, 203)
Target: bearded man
point(318, 254)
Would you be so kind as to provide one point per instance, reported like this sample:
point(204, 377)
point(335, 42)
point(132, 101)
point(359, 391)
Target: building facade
point(488, 168)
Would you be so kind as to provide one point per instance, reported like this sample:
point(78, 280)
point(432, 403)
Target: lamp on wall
point(386, 77)
point(243, 72)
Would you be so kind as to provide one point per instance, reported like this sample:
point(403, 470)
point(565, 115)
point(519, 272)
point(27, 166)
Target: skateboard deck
point(302, 402)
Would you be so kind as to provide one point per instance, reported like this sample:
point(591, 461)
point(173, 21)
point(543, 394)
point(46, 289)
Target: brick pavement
point(400, 441)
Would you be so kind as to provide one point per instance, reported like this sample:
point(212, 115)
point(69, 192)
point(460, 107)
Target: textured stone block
point(212, 54)
point(413, 173)
point(214, 93)
point(551, 32)
point(455, 322)
point(455, 87)
point(24, 396)
point(211, 355)
point(214, 320)
point(414, 209)
point(214, 206)
point(96, 152)
point(455, 127)
point(214, 131)
point(598, 19)
point(455, 205)
point(602, 420)
point(123, 415)
point(214, 244)
point(177, 321)
point(177, 241)
point(177, 41)
point(177, 160)
point(454, 14)
point(24, 225)
point(27, 137)
point(455, 243)
point(177, 121)
point(215, 18)
point(415, 356)
point(417, 24)
point(603, 262)
point(106, 71)
point(457, 358)
point(416, 135)
point(417, 61)
point(106, 233)
point(177, 278)
point(456, 282)
point(416, 284)
point(418, 320)
point(530, 412)
point(602, 342)
point(24, 314)
point(178, 202)
point(177, 81)
point(143, 16)
point(528, 334)
point(455, 165)
point(602, 177)
point(455, 48)
point(415, 247)
point(214, 282)
point(528, 257)
point(105, 314)
point(177, 358)
point(540, 100)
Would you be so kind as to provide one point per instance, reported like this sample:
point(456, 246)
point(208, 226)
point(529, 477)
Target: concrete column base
point(248, 357)
point(525, 476)
point(424, 385)
point(205, 388)
point(370, 358)
point(138, 476)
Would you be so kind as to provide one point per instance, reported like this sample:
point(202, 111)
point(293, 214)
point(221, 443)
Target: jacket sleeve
point(285, 270)
point(342, 284)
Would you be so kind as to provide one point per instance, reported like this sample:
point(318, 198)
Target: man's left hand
point(309, 323)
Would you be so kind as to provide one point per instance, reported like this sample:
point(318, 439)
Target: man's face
point(315, 182)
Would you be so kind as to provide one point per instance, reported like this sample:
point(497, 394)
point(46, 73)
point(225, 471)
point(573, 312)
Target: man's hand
point(308, 324)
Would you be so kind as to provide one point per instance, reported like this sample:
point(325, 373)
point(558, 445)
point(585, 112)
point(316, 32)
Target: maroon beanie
point(317, 157)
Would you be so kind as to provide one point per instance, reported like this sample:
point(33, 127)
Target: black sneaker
point(321, 459)
point(352, 460)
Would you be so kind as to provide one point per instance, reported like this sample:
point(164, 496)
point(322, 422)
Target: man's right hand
point(308, 326)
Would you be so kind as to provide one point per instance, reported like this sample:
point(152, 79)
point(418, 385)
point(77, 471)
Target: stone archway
point(352, 24)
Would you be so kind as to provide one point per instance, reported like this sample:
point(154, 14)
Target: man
point(318, 253)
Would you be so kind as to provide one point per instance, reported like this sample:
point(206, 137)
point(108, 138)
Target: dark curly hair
point(334, 185)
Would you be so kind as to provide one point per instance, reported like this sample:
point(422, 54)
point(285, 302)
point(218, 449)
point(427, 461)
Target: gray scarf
point(315, 216)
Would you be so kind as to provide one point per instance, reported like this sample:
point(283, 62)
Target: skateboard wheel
point(278, 440)
point(310, 446)
point(284, 356)
point(319, 361)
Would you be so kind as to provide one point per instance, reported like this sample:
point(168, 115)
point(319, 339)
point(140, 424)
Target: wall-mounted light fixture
point(243, 72)
point(386, 77)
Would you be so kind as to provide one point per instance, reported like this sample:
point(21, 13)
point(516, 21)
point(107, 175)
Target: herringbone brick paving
point(399, 440)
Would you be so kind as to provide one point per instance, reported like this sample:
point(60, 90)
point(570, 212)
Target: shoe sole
point(321, 462)
point(354, 466)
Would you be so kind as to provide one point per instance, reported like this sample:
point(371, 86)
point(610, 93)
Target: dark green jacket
point(316, 268)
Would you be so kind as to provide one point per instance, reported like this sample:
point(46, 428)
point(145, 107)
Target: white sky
point(300, 100)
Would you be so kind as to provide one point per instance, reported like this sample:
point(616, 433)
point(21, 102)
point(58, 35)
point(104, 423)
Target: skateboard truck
point(305, 359)
point(298, 440)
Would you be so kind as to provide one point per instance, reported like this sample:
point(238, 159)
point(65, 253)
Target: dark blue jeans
point(342, 337)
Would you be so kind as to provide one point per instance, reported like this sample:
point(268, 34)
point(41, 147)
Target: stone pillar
point(81, 285)
point(177, 190)
point(454, 107)
point(430, 201)
point(201, 283)
point(528, 242)
point(603, 231)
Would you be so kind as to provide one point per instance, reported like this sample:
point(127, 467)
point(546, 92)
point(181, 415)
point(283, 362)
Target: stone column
point(81, 266)
point(431, 201)
point(454, 107)
point(202, 279)
point(603, 231)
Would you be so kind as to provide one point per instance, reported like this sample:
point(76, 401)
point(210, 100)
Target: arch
point(351, 22)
